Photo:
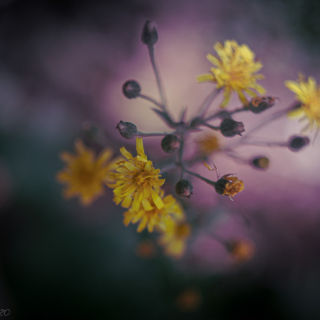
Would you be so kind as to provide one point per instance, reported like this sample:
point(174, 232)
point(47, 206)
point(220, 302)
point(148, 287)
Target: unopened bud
point(184, 188)
point(259, 104)
point(261, 163)
point(149, 34)
point(170, 143)
point(296, 143)
point(127, 129)
point(131, 89)
point(230, 128)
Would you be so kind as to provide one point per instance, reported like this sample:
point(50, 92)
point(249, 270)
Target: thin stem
point(207, 102)
point(266, 143)
point(212, 183)
point(168, 167)
point(143, 96)
point(210, 126)
point(142, 134)
point(180, 153)
point(224, 112)
point(157, 75)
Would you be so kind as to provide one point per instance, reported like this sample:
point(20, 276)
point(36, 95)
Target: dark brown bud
point(261, 163)
point(127, 129)
point(259, 104)
point(296, 143)
point(220, 185)
point(131, 89)
point(230, 128)
point(170, 143)
point(149, 34)
point(184, 188)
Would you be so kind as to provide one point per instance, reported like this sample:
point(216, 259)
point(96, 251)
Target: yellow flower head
point(150, 216)
point(233, 186)
point(241, 250)
point(174, 237)
point(85, 174)
point(207, 144)
point(309, 95)
point(136, 180)
point(234, 70)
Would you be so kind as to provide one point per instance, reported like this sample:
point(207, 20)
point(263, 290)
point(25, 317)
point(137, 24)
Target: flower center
point(142, 179)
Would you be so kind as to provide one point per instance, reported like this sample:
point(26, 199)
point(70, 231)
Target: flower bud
point(149, 34)
point(184, 188)
point(296, 143)
point(131, 89)
point(127, 129)
point(220, 185)
point(230, 128)
point(259, 104)
point(170, 143)
point(261, 163)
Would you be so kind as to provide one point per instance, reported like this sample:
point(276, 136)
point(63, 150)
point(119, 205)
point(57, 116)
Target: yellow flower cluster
point(234, 70)
point(309, 95)
point(137, 187)
point(85, 174)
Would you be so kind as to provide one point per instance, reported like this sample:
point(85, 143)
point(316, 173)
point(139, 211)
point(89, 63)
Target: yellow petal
point(146, 205)
point(157, 200)
point(295, 113)
point(126, 153)
point(205, 78)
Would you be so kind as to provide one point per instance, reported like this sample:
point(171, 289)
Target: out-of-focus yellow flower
point(309, 95)
point(234, 70)
point(233, 186)
point(207, 144)
point(241, 250)
point(146, 249)
point(136, 180)
point(85, 174)
point(152, 216)
point(189, 300)
point(174, 237)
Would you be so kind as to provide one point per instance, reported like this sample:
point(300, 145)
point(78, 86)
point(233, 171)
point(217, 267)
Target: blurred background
point(62, 65)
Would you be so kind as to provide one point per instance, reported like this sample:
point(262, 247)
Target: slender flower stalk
point(157, 75)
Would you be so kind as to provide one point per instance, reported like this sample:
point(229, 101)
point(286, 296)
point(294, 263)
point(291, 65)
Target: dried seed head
point(184, 188)
point(230, 128)
point(149, 34)
point(170, 143)
point(131, 89)
point(259, 104)
point(127, 129)
point(296, 143)
point(261, 163)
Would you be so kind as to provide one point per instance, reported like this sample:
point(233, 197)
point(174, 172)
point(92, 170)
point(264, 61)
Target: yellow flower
point(136, 180)
point(233, 186)
point(85, 174)
point(309, 95)
point(207, 144)
point(174, 237)
point(152, 216)
point(234, 70)
point(241, 250)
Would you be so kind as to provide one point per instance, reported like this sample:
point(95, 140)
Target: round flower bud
point(170, 143)
point(184, 188)
point(259, 104)
point(296, 143)
point(261, 163)
point(131, 89)
point(149, 34)
point(230, 128)
point(221, 185)
point(127, 129)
